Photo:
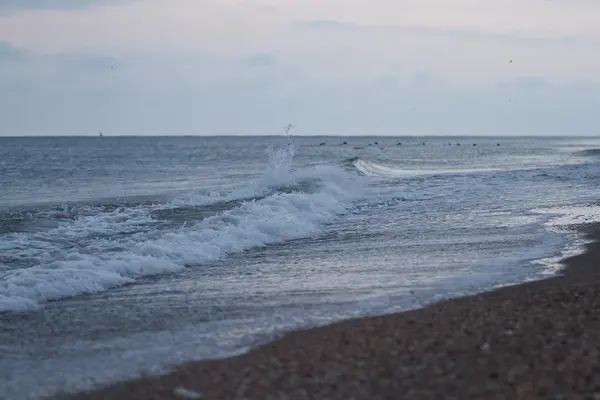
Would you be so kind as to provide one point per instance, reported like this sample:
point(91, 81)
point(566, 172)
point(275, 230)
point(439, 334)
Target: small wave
point(370, 168)
point(588, 153)
point(101, 250)
point(350, 161)
point(195, 210)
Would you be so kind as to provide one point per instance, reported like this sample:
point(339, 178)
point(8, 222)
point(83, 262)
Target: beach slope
point(535, 340)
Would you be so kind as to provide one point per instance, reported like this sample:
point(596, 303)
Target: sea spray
point(111, 248)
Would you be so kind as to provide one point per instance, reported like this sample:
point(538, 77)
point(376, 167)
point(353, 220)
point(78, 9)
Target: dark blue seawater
point(124, 255)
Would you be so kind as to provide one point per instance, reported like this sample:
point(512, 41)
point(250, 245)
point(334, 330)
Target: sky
point(405, 67)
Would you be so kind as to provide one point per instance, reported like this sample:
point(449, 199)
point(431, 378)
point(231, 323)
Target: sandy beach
point(536, 340)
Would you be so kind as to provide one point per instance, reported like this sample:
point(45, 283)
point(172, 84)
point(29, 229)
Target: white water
point(104, 250)
point(560, 221)
point(370, 168)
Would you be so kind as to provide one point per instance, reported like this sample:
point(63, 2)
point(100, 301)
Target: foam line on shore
point(498, 331)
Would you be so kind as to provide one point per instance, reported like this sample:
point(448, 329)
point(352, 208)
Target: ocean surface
point(121, 256)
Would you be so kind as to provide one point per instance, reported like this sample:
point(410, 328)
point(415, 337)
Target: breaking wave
point(94, 248)
point(589, 153)
point(370, 168)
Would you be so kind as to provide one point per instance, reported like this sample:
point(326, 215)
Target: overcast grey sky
point(328, 66)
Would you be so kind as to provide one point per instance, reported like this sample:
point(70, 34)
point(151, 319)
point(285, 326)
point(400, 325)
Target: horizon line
point(283, 135)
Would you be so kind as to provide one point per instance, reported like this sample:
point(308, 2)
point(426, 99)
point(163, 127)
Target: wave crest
point(370, 168)
point(102, 250)
point(589, 153)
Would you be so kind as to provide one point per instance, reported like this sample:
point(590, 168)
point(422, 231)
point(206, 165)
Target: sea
point(123, 256)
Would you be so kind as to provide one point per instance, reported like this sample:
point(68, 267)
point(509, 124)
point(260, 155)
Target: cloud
point(10, 52)
point(12, 6)
point(267, 9)
point(531, 83)
point(455, 33)
point(320, 41)
point(330, 24)
point(38, 69)
point(259, 60)
point(80, 94)
point(67, 74)
point(86, 62)
point(381, 67)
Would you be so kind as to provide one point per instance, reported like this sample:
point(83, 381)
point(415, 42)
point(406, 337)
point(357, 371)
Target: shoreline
point(533, 339)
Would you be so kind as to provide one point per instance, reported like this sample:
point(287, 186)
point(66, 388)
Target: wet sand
point(535, 340)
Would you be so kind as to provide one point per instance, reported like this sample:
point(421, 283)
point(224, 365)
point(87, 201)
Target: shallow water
point(121, 255)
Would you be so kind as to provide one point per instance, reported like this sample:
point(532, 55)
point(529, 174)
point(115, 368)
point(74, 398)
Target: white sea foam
point(370, 168)
point(104, 250)
point(574, 215)
point(560, 219)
